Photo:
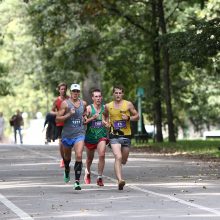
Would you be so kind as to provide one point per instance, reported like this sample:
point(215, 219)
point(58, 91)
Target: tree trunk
point(157, 80)
point(166, 74)
point(92, 81)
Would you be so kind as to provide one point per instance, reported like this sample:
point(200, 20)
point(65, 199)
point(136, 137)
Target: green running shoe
point(77, 186)
point(66, 176)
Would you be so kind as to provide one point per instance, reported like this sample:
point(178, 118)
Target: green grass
point(209, 148)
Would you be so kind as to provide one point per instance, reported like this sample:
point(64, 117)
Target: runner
point(71, 112)
point(96, 137)
point(62, 88)
point(121, 112)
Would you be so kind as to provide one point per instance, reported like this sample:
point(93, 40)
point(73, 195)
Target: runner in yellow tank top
point(120, 113)
point(118, 124)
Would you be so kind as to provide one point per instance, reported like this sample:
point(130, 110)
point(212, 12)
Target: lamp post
point(140, 94)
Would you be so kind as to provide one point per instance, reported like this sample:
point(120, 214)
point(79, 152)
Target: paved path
point(31, 187)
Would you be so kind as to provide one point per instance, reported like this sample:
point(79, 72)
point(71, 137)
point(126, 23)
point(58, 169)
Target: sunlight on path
point(35, 133)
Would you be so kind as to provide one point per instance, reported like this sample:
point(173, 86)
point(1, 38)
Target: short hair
point(61, 84)
point(118, 87)
point(95, 90)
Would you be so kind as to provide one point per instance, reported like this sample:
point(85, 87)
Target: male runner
point(73, 134)
point(121, 112)
point(96, 136)
point(62, 88)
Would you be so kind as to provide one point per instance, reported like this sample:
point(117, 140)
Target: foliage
point(197, 44)
point(44, 42)
point(202, 148)
point(66, 44)
point(19, 88)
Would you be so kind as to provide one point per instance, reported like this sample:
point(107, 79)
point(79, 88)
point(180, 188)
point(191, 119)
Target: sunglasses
point(75, 91)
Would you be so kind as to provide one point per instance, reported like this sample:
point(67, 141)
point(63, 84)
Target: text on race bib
point(76, 122)
point(96, 124)
point(119, 124)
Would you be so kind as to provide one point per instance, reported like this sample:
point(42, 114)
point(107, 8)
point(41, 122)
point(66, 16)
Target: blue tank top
point(73, 126)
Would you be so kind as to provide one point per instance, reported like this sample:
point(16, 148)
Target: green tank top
point(95, 130)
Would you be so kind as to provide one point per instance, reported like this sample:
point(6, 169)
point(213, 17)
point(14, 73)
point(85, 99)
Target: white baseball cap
point(75, 87)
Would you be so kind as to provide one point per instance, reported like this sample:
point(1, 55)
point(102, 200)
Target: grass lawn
point(209, 148)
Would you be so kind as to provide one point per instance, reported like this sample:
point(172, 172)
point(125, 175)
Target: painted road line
point(14, 208)
point(181, 201)
point(204, 208)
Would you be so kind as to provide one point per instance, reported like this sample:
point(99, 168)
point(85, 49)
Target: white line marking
point(14, 208)
point(213, 211)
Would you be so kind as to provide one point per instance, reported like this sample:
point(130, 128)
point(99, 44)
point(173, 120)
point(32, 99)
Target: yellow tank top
point(115, 117)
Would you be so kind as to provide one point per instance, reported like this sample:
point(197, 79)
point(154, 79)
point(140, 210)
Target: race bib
point(76, 123)
point(119, 124)
point(96, 124)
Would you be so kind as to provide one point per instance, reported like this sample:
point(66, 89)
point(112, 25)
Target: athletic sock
point(78, 170)
point(67, 164)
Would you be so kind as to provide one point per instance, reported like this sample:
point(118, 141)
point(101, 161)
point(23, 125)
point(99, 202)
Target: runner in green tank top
point(96, 136)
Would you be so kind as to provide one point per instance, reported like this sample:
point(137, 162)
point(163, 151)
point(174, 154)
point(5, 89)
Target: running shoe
point(66, 176)
point(121, 184)
point(100, 182)
point(87, 178)
point(61, 163)
point(77, 185)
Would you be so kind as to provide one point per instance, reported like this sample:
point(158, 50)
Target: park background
point(167, 49)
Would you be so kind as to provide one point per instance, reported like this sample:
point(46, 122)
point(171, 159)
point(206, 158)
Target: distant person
point(62, 88)
point(96, 137)
point(121, 113)
point(17, 122)
point(51, 131)
point(72, 113)
point(2, 126)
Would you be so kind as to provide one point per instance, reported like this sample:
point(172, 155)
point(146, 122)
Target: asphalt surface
point(157, 187)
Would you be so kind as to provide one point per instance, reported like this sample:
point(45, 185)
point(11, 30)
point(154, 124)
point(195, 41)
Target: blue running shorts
point(69, 142)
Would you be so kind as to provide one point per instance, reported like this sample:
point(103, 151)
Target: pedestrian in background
point(17, 122)
point(2, 126)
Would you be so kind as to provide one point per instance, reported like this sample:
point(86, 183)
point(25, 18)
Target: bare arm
point(134, 113)
point(64, 113)
point(105, 117)
point(87, 114)
point(54, 110)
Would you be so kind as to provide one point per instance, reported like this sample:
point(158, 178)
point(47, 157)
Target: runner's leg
point(116, 149)
point(101, 152)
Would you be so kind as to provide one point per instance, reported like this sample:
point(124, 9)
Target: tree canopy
point(169, 48)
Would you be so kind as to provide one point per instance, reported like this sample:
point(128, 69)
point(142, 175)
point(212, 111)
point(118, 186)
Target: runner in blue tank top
point(71, 112)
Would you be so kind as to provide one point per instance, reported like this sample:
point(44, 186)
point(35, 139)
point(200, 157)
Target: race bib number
point(119, 124)
point(76, 123)
point(96, 124)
